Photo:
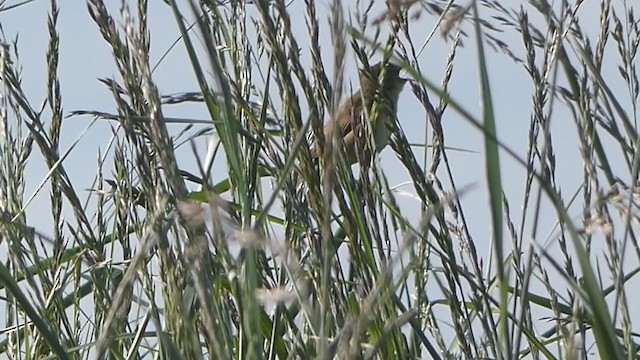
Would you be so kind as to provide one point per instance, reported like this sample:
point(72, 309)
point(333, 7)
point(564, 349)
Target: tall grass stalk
point(264, 252)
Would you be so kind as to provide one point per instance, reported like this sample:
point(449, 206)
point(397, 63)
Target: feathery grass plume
point(267, 252)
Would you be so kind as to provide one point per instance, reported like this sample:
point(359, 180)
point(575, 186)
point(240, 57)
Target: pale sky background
point(85, 56)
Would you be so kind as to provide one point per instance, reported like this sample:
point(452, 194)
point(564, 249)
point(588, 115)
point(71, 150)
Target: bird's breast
point(384, 124)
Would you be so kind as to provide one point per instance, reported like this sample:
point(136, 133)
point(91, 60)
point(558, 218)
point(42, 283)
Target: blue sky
point(85, 57)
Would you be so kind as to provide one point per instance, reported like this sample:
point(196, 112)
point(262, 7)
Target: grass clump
point(254, 249)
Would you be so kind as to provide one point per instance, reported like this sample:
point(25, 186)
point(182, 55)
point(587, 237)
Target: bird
point(350, 115)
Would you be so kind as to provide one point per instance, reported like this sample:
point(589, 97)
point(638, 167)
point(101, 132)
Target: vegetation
point(279, 256)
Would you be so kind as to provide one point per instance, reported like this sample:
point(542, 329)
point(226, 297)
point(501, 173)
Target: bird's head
point(392, 83)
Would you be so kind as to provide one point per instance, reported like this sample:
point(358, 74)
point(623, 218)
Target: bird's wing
point(351, 112)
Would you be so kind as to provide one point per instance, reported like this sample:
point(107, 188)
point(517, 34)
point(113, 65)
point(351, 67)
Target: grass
point(275, 255)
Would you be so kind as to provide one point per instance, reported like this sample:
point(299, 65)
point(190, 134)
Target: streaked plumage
point(350, 114)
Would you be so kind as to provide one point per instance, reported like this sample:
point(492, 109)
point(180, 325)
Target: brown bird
point(359, 106)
